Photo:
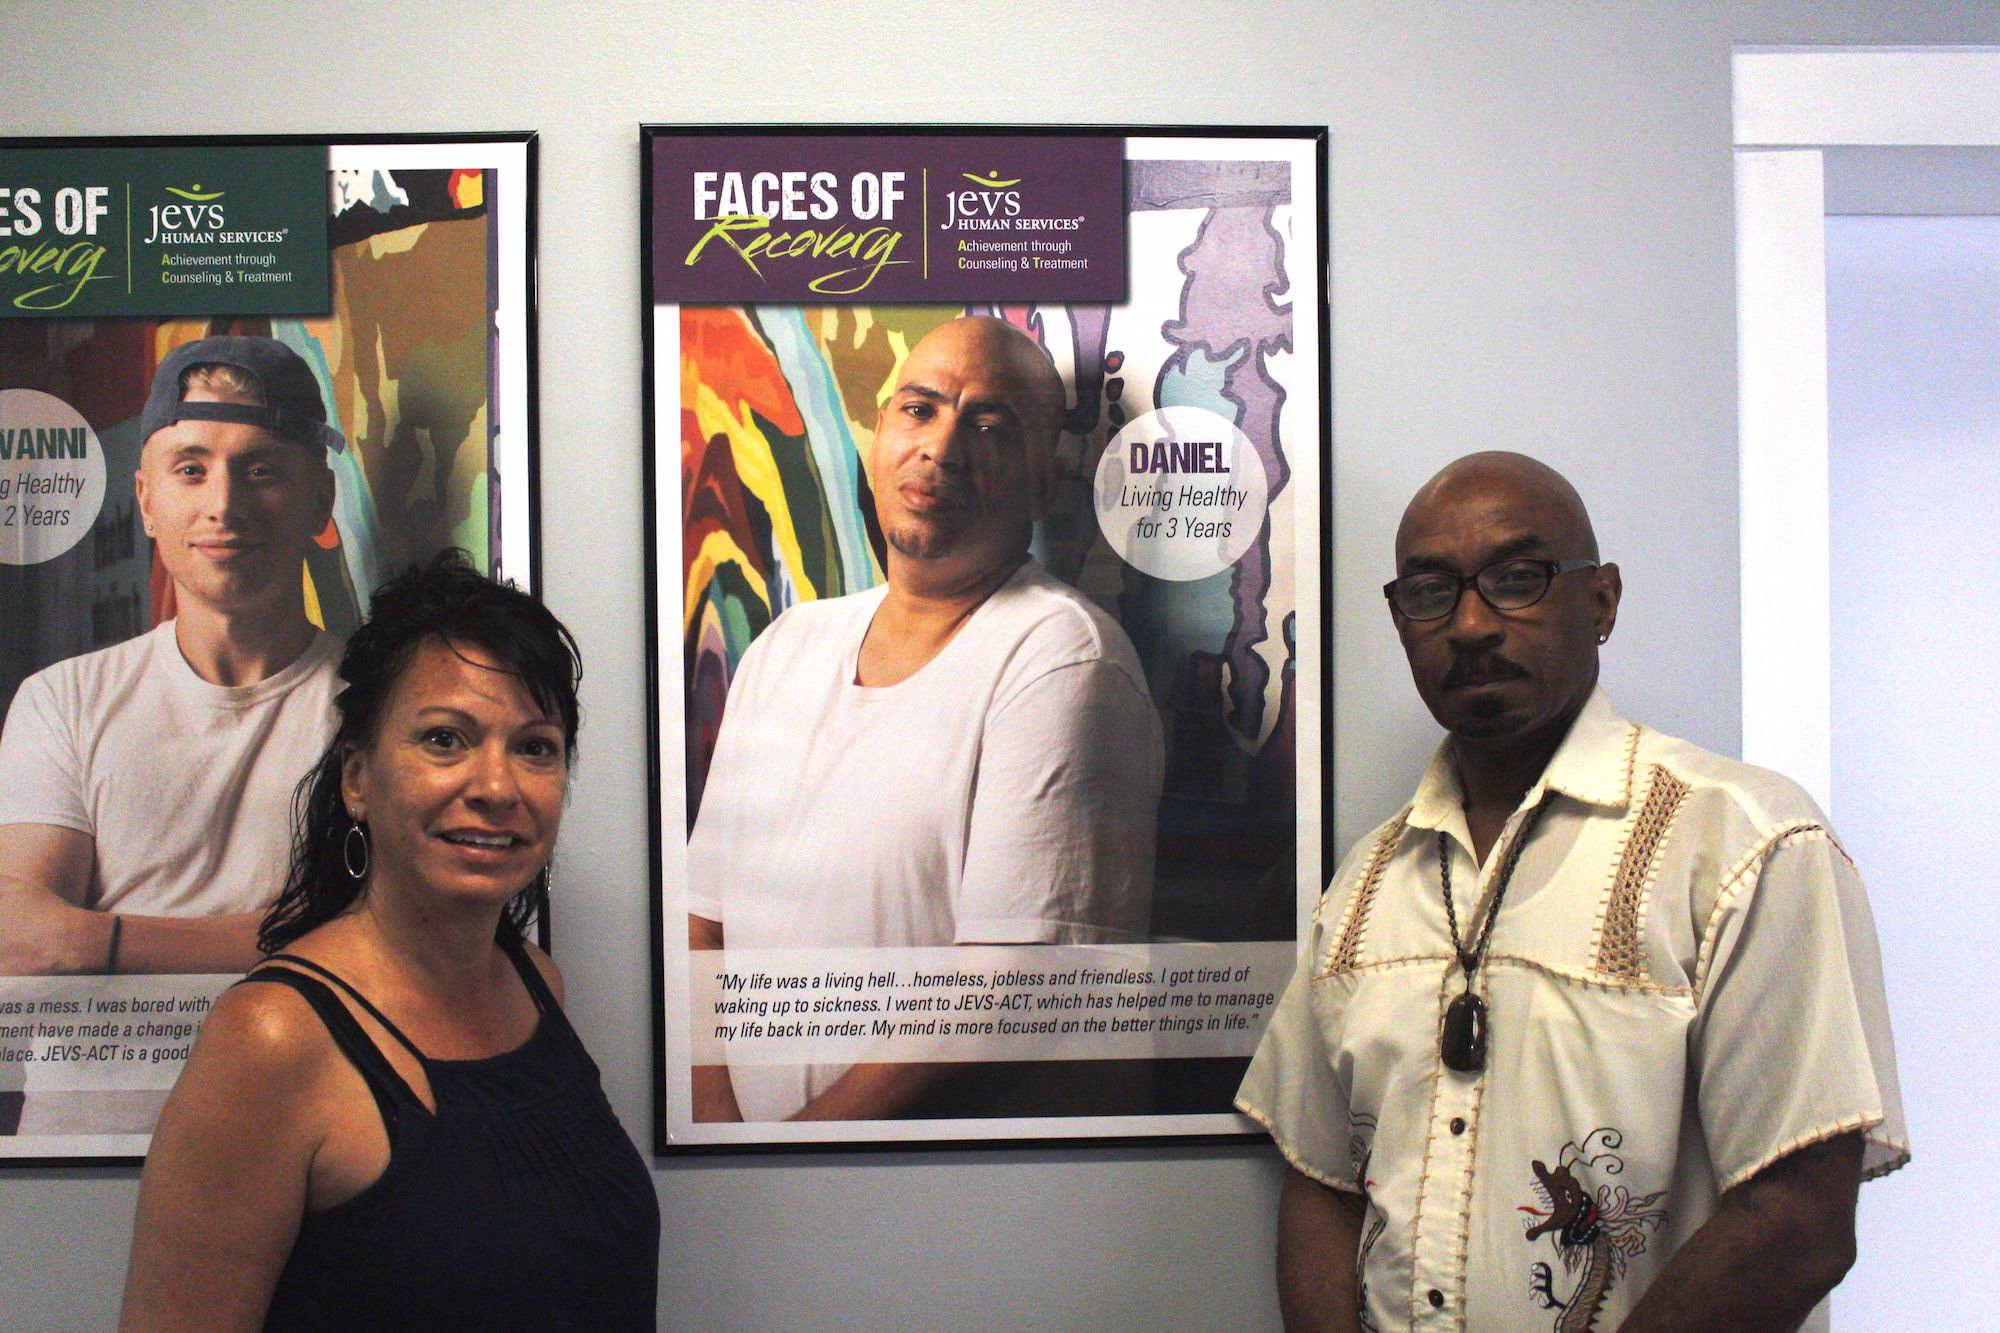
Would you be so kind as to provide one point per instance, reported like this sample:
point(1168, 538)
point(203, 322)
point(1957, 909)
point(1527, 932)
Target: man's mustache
point(939, 484)
point(1482, 669)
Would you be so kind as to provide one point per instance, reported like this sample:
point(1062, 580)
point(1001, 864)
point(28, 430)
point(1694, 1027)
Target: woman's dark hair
point(445, 600)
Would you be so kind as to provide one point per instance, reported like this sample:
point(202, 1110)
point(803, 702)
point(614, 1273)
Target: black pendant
point(1463, 1041)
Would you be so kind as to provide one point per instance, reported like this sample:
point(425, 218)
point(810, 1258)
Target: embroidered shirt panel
point(1362, 897)
point(1620, 952)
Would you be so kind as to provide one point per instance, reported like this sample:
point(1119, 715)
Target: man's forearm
point(45, 872)
point(42, 935)
point(1319, 1245)
point(168, 944)
point(1778, 1243)
point(714, 1096)
point(876, 1091)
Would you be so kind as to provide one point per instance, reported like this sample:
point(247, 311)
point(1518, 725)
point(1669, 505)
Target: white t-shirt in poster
point(1004, 794)
point(184, 786)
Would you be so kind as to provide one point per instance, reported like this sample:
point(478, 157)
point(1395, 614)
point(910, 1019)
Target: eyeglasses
point(1509, 585)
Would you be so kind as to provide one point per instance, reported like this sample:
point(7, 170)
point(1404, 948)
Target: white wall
point(1531, 249)
point(1913, 340)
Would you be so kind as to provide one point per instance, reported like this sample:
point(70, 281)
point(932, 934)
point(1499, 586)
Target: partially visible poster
point(384, 284)
point(989, 656)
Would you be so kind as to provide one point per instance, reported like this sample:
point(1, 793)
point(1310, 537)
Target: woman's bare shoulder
point(263, 1030)
point(547, 967)
point(252, 1093)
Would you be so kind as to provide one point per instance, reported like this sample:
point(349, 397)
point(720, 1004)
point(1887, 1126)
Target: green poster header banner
point(172, 229)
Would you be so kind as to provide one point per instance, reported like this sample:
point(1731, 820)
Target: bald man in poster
point(967, 754)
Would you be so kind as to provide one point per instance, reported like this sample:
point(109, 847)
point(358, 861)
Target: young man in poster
point(966, 755)
point(145, 820)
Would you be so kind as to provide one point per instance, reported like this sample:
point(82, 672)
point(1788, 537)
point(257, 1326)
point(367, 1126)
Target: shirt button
point(1458, 1124)
point(1437, 1299)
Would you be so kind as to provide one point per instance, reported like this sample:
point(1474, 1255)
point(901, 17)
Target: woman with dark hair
point(390, 1124)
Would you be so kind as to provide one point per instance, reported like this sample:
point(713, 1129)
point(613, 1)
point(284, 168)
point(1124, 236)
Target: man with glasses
point(1591, 1034)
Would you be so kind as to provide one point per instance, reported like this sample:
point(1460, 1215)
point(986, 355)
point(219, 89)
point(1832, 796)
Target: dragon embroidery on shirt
point(1361, 1150)
point(1595, 1235)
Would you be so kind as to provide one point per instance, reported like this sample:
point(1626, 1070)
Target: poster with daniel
point(242, 382)
point(987, 515)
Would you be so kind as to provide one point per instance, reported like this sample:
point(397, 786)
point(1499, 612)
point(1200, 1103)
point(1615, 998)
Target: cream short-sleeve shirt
point(1683, 986)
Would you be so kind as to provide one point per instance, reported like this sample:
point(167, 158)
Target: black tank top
point(519, 1204)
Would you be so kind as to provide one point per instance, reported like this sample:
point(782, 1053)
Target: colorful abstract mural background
point(778, 406)
point(405, 361)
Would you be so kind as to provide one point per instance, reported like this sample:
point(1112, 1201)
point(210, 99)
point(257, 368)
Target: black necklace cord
point(1462, 1040)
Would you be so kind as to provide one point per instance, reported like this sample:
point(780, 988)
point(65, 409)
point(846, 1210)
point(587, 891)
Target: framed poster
point(377, 292)
point(988, 631)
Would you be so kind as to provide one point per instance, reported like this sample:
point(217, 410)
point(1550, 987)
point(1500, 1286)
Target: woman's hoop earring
point(357, 836)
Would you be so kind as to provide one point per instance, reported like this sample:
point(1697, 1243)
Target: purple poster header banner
point(885, 217)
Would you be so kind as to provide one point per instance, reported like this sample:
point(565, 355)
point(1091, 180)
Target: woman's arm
point(225, 1182)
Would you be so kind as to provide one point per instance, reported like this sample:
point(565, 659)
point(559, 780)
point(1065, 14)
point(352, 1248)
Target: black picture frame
point(1307, 382)
point(480, 191)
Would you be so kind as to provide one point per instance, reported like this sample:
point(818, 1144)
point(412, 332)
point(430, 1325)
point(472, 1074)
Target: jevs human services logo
point(987, 206)
point(1015, 232)
point(197, 245)
point(195, 220)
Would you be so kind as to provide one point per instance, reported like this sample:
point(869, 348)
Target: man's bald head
point(1525, 486)
point(1516, 677)
point(1010, 358)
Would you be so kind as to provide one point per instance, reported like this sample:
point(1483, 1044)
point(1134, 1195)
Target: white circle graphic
point(1181, 493)
point(51, 476)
